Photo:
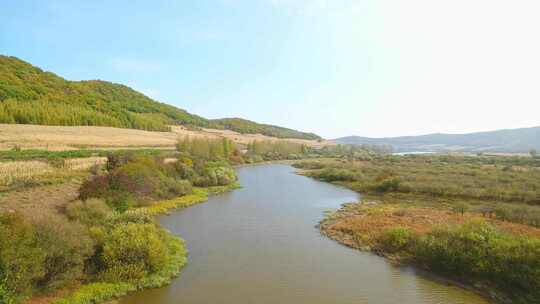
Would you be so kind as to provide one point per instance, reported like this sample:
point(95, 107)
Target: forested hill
point(246, 126)
point(512, 140)
point(29, 95)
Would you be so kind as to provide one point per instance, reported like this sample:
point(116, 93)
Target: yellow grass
point(84, 163)
point(57, 138)
point(30, 171)
point(23, 171)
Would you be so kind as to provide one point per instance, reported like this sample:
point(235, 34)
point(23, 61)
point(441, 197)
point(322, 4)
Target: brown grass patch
point(370, 222)
point(30, 201)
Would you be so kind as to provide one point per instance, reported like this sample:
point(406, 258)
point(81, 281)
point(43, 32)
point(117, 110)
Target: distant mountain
point(29, 95)
point(513, 140)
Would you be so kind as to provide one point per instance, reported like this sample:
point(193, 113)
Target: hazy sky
point(334, 67)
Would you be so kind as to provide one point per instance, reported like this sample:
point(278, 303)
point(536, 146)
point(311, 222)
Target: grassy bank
point(101, 240)
point(497, 258)
point(503, 187)
point(469, 219)
point(100, 292)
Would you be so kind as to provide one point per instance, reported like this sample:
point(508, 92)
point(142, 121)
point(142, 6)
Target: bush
point(477, 251)
point(90, 212)
point(177, 187)
point(118, 159)
point(185, 171)
point(140, 181)
point(66, 246)
point(309, 165)
point(21, 258)
point(216, 174)
point(132, 251)
point(388, 185)
point(397, 239)
point(337, 174)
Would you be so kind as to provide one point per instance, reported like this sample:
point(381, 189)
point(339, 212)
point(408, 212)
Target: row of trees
point(277, 149)
point(208, 148)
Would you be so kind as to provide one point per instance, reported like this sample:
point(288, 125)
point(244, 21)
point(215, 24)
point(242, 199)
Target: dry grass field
point(39, 199)
point(28, 174)
point(57, 138)
point(22, 171)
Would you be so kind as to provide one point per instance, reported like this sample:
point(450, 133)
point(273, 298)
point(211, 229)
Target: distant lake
point(259, 244)
point(413, 153)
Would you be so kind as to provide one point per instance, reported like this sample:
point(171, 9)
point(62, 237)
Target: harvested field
point(57, 138)
point(38, 199)
point(35, 172)
point(22, 171)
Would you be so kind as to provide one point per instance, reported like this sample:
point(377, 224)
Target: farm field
point(57, 138)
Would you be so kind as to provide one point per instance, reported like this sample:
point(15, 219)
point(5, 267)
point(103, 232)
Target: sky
point(373, 68)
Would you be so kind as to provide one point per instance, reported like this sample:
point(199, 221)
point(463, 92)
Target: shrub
point(90, 212)
point(337, 174)
point(177, 187)
point(185, 171)
point(503, 212)
point(388, 185)
point(21, 258)
point(131, 216)
point(66, 246)
point(478, 251)
point(309, 165)
point(216, 174)
point(138, 182)
point(117, 159)
point(132, 251)
point(397, 239)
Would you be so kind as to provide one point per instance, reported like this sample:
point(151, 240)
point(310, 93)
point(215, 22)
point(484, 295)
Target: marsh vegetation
point(472, 219)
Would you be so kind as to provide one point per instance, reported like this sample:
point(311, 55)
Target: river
point(259, 244)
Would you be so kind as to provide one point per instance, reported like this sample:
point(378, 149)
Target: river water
point(259, 244)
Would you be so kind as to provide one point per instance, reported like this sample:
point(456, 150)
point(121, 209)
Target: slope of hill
point(513, 140)
point(29, 95)
point(246, 126)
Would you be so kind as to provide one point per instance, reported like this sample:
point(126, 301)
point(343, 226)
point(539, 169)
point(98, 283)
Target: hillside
point(512, 140)
point(29, 95)
point(246, 126)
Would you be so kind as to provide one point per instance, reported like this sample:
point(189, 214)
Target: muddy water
point(259, 245)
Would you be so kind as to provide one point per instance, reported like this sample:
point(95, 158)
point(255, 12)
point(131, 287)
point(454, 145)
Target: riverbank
point(414, 236)
point(100, 292)
point(464, 219)
point(259, 245)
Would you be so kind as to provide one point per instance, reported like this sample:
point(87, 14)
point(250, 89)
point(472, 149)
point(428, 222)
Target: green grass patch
point(199, 195)
point(36, 154)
